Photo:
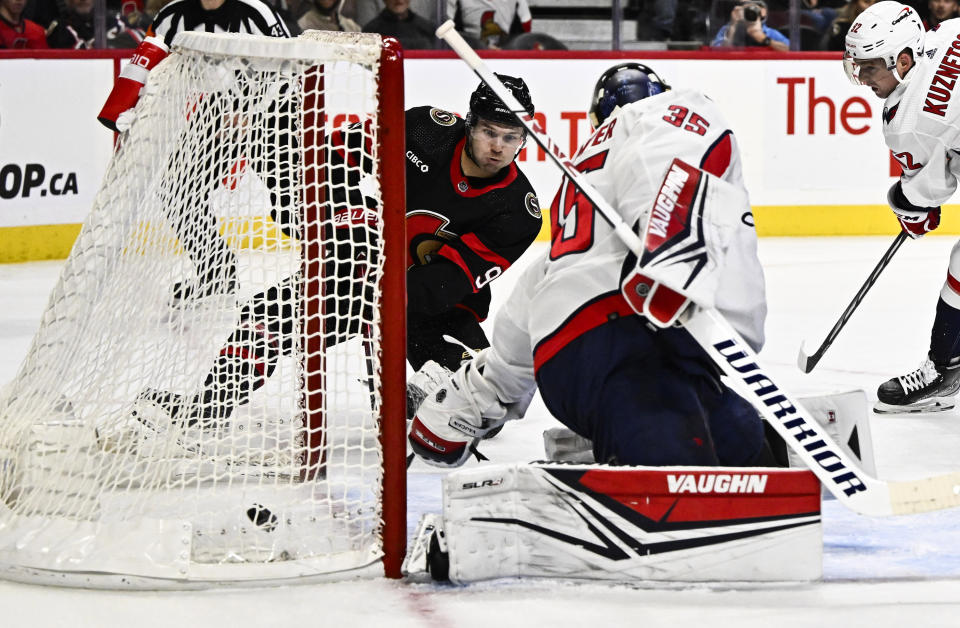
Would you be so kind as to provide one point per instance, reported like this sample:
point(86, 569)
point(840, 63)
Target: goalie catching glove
point(688, 232)
point(458, 414)
point(914, 220)
point(117, 113)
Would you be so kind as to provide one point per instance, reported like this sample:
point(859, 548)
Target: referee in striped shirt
point(202, 148)
point(253, 17)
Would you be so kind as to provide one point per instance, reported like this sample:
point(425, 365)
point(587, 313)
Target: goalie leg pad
point(845, 418)
point(625, 524)
point(561, 444)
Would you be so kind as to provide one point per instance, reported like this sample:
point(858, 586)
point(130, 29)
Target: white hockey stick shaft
point(463, 49)
point(838, 472)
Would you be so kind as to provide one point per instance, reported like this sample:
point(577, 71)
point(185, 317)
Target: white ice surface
point(877, 572)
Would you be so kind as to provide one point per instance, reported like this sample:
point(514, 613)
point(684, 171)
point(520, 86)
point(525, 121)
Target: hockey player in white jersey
point(643, 395)
point(915, 72)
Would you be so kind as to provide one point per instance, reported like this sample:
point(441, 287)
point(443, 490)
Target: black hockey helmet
point(485, 104)
point(620, 85)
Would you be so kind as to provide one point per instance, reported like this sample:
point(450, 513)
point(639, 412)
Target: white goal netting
point(202, 401)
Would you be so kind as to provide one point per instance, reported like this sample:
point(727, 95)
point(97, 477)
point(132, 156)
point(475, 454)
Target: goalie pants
point(649, 397)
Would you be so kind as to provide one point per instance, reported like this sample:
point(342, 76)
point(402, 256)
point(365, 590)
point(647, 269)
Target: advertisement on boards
point(53, 152)
point(808, 137)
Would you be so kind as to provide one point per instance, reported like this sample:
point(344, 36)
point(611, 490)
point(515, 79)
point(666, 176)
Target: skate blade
point(415, 562)
point(938, 404)
point(159, 433)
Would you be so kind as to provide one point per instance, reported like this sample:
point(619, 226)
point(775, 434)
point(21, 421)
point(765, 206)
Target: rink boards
point(812, 148)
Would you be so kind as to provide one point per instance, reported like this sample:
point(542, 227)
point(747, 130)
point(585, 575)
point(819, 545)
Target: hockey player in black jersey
point(470, 214)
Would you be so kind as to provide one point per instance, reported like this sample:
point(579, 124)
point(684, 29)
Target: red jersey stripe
point(481, 249)
point(454, 256)
point(717, 158)
point(953, 283)
point(459, 181)
point(588, 317)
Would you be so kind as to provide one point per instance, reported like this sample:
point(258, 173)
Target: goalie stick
point(838, 472)
point(808, 362)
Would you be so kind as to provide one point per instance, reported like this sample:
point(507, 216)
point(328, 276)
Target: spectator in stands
point(365, 10)
point(663, 14)
point(747, 27)
point(75, 28)
point(152, 7)
point(820, 14)
point(17, 32)
point(834, 37)
point(43, 12)
point(397, 20)
point(940, 11)
point(492, 22)
point(534, 41)
point(288, 12)
point(325, 16)
point(136, 13)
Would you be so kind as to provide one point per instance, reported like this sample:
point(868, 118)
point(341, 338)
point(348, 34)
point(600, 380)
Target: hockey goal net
point(213, 395)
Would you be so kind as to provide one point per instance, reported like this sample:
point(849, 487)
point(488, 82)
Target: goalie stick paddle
point(808, 362)
point(853, 487)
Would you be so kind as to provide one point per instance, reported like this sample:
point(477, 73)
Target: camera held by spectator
point(752, 12)
point(748, 27)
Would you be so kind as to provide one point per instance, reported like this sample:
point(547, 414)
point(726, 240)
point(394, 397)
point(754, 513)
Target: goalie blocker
point(623, 524)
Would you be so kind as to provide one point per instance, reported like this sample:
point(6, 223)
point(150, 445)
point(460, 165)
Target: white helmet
point(882, 32)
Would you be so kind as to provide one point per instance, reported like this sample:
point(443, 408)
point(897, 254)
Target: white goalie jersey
point(921, 121)
point(626, 160)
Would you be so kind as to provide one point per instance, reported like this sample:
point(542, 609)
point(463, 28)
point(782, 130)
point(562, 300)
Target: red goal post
point(231, 159)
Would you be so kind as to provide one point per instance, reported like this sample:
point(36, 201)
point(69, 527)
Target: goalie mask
point(882, 32)
point(621, 85)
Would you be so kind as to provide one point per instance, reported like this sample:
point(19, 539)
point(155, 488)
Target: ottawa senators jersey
point(463, 231)
point(25, 35)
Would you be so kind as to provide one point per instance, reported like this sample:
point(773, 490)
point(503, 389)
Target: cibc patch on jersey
point(443, 118)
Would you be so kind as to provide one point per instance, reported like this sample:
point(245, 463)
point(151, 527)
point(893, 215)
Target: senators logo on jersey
point(533, 205)
point(443, 118)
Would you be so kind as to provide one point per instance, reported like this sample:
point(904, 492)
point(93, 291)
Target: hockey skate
point(428, 552)
point(164, 426)
point(218, 281)
point(926, 389)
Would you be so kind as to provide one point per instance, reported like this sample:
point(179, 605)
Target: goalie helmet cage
point(252, 432)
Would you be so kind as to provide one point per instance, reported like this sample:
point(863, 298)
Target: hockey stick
point(852, 486)
point(808, 362)
point(842, 476)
